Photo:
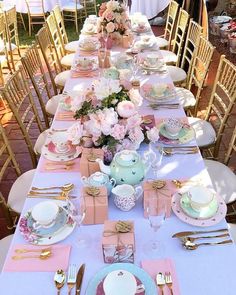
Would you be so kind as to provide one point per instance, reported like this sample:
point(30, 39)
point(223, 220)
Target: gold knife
point(79, 279)
point(190, 233)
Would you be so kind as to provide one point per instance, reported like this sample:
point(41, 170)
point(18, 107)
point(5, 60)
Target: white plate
point(32, 237)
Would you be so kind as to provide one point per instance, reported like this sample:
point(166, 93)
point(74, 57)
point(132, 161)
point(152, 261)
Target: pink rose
point(75, 133)
point(134, 121)
point(109, 15)
point(126, 109)
point(118, 131)
point(136, 135)
point(110, 27)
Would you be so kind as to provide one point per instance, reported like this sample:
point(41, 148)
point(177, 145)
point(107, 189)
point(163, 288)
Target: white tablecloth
point(150, 8)
point(206, 271)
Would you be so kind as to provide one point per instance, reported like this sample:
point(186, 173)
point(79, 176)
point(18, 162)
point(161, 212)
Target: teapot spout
point(104, 168)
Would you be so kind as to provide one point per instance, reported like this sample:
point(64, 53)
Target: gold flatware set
point(158, 106)
point(163, 280)
point(169, 151)
point(43, 255)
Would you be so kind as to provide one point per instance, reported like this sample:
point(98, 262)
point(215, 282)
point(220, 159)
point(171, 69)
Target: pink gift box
point(96, 206)
point(88, 165)
point(118, 246)
point(150, 189)
point(148, 122)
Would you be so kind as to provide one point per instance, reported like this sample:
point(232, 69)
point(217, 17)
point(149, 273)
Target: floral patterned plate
point(158, 92)
point(62, 229)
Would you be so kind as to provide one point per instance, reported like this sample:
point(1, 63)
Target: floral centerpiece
point(110, 118)
point(113, 20)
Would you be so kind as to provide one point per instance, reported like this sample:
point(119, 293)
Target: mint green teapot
point(126, 167)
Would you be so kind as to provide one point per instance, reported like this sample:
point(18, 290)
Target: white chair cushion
point(71, 6)
point(161, 42)
point(13, 46)
point(19, 190)
point(67, 60)
point(232, 230)
point(205, 133)
point(52, 104)
point(36, 10)
point(72, 46)
point(169, 56)
point(223, 180)
point(40, 142)
point(4, 246)
point(61, 78)
point(186, 97)
point(177, 74)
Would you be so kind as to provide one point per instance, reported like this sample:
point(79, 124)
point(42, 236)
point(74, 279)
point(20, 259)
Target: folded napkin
point(88, 53)
point(58, 260)
point(44, 167)
point(65, 116)
point(83, 74)
point(153, 267)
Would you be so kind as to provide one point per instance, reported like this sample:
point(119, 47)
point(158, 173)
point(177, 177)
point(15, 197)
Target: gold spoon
point(192, 240)
point(65, 187)
point(192, 246)
point(180, 184)
point(59, 279)
point(32, 250)
point(43, 256)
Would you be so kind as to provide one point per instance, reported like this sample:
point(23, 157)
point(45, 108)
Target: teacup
point(200, 197)
point(152, 59)
point(44, 214)
point(173, 126)
point(120, 282)
point(125, 196)
point(60, 140)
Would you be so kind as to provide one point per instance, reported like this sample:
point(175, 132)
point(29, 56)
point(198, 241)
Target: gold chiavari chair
point(65, 59)
point(174, 56)
point(74, 11)
point(222, 177)
point(90, 7)
point(165, 40)
point(18, 96)
point(69, 47)
point(12, 34)
point(209, 132)
point(18, 192)
point(57, 76)
point(34, 67)
point(182, 73)
point(36, 13)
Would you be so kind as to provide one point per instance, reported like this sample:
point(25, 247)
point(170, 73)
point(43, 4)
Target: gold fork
point(168, 281)
point(160, 280)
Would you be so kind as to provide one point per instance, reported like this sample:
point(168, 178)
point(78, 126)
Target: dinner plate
point(185, 135)
point(65, 102)
point(84, 47)
point(196, 221)
point(205, 213)
point(33, 237)
point(158, 68)
point(147, 281)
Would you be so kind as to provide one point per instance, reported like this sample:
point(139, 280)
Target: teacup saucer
point(205, 213)
point(166, 134)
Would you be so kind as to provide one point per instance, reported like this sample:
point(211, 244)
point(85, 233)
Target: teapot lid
point(127, 158)
point(98, 178)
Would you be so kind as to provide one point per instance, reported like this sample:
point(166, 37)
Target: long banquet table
point(150, 8)
point(206, 271)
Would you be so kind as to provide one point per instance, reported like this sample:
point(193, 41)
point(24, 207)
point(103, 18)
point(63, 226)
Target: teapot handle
point(113, 181)
point(138, 192)
point(84, 180)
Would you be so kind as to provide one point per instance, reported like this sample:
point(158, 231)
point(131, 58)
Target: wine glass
point(154, 157)
point(134, 66)
point(155, 209)
point(102, 58)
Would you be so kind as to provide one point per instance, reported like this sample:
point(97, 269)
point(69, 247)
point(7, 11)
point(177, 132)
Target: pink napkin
point(88, 53)
point(153, 267)
point(83, 74)
point(58, 260)
point(65, 116)
point(74, 168)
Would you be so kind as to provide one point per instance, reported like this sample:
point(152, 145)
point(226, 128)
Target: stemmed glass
point(155, 157)
point(134, 66)
point(155, 209)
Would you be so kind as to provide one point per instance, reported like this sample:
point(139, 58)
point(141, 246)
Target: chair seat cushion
point(67, 60)
point(52, 104)
point(185, 96)
point(205, 133)
point(40, 142)
point(232, 230)
point(19, 190)
point(72, 46)
point(177, 74)
point(223, 180)
point(169, 56)
point(61, 78)
point(161, 42)
point(13, 47)
point(4, 246)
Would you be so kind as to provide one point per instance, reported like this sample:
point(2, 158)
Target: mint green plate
point(205, 213)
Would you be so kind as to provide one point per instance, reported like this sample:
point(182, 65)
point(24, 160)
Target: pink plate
point(220, 214)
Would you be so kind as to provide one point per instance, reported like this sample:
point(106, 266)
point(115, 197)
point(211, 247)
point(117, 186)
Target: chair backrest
point(3, 39)
point(49, 54)
point(90, 7)
point(170, 21)
point(222, 99)
point(231, 148)
point(35, 7)
point(32, 63)
point(180, 31)
point(60, 24)
point(18, 96)
point(200, 67)
point(55, 35)
point(190, 47)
